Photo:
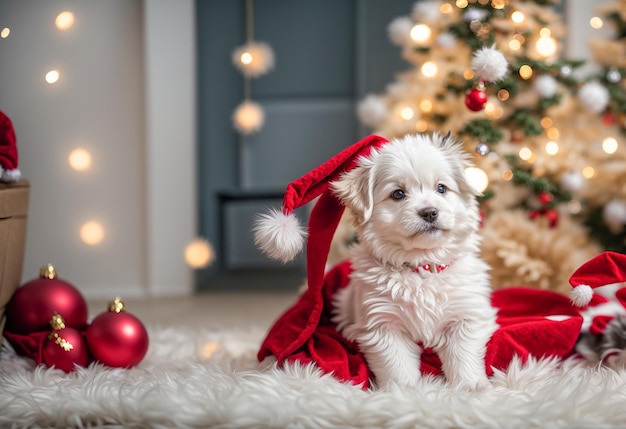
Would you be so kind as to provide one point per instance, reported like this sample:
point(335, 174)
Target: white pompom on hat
point(605, 269)
point(278, 232)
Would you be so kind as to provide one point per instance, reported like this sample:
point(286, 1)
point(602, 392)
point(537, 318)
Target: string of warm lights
point(253, 59)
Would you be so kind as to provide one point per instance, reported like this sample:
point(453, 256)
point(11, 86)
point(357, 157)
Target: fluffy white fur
point(178, 385)
point(279, 235)
point(393, 303)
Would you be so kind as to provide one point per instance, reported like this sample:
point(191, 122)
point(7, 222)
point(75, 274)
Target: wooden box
point(14, 198)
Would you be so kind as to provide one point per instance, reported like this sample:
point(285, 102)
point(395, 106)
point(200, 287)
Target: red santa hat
point(8, 151)
point(280, 235)
point(605, 269)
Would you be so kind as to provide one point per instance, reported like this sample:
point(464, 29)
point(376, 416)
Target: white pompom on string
point(427, 10)
point(399, 30)
point(446, 40)
point(489, 64)
point(572, 181)
point(594, 96)
point(546, 86)
point(614, 213)
point(280, 236)
point(372, 110)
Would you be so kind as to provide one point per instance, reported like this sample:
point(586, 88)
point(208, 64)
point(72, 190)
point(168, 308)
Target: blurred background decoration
point(149, 150)
point(548, 139)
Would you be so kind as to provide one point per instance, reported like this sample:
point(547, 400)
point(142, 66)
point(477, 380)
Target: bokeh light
point(92, 233)
point(477, 178)
point(80, 159)
point(52, 76)
point(609, 145)
point(199, 253)
point(64, 20)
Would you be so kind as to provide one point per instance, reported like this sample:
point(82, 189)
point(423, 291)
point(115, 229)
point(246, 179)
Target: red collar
point(432, 268)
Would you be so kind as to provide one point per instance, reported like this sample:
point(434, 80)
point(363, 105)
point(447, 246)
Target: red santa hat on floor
point(605, 269)
point(8, 151)
point(280, 235)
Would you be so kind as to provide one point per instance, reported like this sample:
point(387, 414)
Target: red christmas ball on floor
point(475, 99)
point(35, 302)
point(65, 347)
point(117, 338)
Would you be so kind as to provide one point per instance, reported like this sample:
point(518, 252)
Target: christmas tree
point(607, 214)
point(548, 160)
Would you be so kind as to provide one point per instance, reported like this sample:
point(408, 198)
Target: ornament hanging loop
point(48, 272)
point(117, 305)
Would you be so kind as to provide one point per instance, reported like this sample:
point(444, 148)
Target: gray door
point(329, 54)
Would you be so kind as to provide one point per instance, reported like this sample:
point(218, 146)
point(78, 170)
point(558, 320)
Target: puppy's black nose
point(429, 214)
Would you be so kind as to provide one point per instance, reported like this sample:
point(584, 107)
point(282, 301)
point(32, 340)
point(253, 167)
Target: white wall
point(170, 67)
point(141, 193)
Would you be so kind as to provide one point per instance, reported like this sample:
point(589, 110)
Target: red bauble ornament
point(35, 302)
point(117, 338)
point(550, 214)
point(65, 347)
point(608, 118)
point(475, 99)
point(545, 198)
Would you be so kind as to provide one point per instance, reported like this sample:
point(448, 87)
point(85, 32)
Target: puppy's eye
point(398, 194)
point(441, 188)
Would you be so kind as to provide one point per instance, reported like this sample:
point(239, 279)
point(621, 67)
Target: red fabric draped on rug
point(532, 323)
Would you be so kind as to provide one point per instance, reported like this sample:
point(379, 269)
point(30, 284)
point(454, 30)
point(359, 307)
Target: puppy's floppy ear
point(460, 160)
point(355, 189)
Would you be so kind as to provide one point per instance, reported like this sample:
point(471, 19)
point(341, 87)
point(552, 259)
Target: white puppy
point(417, 279)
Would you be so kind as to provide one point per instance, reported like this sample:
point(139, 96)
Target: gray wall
point(329, 54)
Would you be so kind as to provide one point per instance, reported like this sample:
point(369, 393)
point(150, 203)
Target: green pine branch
point(523, 177)
point(525, 120)
point(483, 129)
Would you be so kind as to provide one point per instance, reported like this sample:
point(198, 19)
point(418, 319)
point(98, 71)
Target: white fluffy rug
point(211, 379)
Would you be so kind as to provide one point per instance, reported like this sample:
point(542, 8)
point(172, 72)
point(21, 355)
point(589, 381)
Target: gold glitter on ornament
point(61, 342)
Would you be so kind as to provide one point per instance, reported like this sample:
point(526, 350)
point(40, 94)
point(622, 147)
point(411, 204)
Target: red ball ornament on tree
point(545, 198)
point(475, 99)
point(65, 347)
point(35, 302)
point(117, 338)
